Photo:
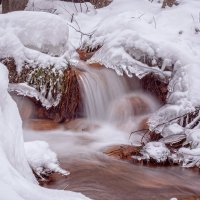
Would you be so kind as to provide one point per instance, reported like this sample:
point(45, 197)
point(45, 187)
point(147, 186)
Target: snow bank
point(26, 37)
point(17, 180)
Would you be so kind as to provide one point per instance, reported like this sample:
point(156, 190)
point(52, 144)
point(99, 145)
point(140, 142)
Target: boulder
point(124, 152)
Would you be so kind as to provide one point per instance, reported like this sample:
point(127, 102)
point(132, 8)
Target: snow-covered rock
point(172, 129)
point(154, 150)
point(34, 38)
point(40, 31)
point(189, 157)
point(193, 138)
point(42, 159)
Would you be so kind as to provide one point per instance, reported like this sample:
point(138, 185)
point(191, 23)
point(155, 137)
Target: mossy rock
point(59, 86)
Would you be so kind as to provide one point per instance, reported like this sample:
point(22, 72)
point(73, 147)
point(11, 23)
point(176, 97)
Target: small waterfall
point(114, 99)
point(100, 87)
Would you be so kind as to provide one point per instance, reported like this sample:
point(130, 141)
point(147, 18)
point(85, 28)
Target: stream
point(113, 106)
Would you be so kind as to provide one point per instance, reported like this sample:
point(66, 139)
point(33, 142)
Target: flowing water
point(113, 106)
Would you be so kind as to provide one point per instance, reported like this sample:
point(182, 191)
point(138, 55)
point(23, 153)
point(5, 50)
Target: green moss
point(48, 81)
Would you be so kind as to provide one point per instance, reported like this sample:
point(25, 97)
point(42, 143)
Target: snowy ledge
point(28, 91)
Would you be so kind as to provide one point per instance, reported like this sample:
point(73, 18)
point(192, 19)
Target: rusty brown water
point(104, 178)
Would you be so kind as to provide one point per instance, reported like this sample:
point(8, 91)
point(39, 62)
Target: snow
point(136, 37)
point(154, 150)
point(172, 129)
point(42, 159)
point(25, 90)
point(26, 37)
point(59, 7)
point(17, 180)
point(193, 138)
point(189, 157)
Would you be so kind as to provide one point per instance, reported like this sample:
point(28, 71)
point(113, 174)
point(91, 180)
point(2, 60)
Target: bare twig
point(137, 131)
point(164, 123)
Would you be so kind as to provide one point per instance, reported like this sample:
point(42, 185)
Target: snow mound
point(154, 150)
point(42, 159)
point(32, 30)
point(26, 37)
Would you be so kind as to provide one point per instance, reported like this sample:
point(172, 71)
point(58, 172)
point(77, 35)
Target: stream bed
point(101, 177)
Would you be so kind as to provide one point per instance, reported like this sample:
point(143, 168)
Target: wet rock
point(25, 106)
point(129, 106)
point(139, 105)
point(41, 125)
point(124, 152)
point(158, 88)
point(84, 55)
point(96, 66)
point(143, 124)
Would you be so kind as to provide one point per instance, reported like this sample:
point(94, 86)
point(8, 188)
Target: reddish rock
point(96, 66)
point(123, 152)
point(158, 88)
point(143, 125)
point(83, 55)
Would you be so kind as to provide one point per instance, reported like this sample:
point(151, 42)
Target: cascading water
point(111, 98)
point(99, 88)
